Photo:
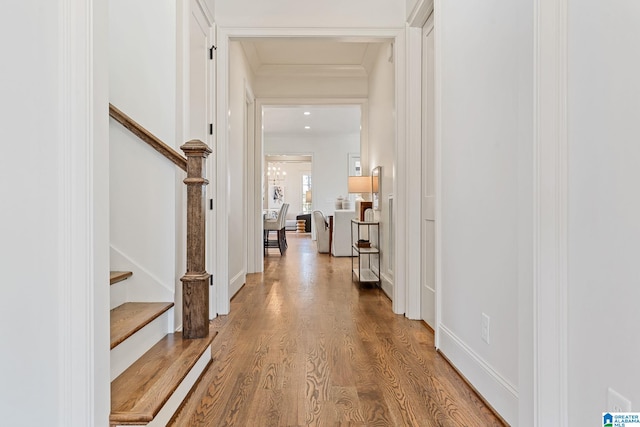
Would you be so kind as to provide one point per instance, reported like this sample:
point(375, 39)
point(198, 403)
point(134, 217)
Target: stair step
point(119, 276)
point(140, 392)
point(130, 317)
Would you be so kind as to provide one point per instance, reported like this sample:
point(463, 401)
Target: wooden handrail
point(148, 137)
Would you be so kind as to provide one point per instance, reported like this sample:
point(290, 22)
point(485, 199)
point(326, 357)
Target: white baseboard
point(387, 285)
point(494, 388)
point(236, 283)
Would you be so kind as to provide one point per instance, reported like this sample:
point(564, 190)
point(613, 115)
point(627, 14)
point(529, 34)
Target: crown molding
point(311, 71)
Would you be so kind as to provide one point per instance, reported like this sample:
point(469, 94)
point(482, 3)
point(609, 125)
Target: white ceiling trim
point(311, 70)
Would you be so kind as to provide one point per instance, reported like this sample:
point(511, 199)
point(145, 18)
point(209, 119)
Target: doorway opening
point(308, 151)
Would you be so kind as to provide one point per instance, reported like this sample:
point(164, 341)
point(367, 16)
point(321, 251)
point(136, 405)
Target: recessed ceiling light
point(307, 113)
point(307, 127)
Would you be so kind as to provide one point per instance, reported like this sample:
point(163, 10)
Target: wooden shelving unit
point(363, 250)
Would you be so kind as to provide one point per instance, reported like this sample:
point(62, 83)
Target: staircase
point(152, 368)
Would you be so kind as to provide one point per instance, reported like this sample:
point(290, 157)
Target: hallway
point(303, 345)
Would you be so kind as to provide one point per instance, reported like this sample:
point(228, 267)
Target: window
point(306, 193)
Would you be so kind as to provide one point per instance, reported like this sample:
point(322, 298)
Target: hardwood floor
point(305, 346)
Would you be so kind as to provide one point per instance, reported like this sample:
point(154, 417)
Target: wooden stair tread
point(130, 317)
point(138, 394)
point(119, 276)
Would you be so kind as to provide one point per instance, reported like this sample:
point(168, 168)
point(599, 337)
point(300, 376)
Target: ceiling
point(321, 120)
point(310, 57)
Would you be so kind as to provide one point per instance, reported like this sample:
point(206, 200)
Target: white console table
point(341, 239)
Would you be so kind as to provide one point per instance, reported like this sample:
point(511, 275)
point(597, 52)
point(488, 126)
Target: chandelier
point(275, 176)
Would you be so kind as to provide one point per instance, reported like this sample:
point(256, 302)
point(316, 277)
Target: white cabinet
point(342, 239)
point(365, 263)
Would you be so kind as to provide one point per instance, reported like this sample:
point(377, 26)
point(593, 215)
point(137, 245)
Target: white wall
point(381, 146)
point(240, 77)
point(292, 183)
point(330, 162)
point(330, 13)
point(142, 63)
point(142, 216)
point(604, 235)
point(53, 249)
point(30, 189)
point(142, 74)
point(484, 206)
point(310, 87)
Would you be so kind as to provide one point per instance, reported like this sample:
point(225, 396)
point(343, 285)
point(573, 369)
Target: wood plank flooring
point(305, 346)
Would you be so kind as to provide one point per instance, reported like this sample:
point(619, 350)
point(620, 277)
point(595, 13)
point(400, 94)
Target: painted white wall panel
point(142, 76)
point(299, 14)
point(142, 64)
point(52, 136)
point(480, 193)
point(382, 141)
point(240, 76)
point(29, 221)
point(604, 232)
point(142, 204)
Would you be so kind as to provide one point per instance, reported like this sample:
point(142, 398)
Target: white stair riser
point(127, 352)
point(118, 294)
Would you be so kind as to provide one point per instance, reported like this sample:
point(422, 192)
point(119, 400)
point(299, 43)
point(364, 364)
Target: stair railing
point(195, 282)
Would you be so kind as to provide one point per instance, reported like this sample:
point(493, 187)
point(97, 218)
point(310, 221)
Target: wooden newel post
point(195, 282)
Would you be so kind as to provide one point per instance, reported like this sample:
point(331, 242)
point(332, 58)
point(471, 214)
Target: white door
point(427, 288)
point(200, 113)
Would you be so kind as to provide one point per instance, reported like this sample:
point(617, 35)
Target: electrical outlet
point(617, 402)
point(484, 333)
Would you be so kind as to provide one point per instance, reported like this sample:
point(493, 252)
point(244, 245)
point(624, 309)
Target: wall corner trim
point(550, 230)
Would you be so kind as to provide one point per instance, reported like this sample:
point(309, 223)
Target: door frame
point(416, 21)
point(251, 170)
point(255, 191)
point(183, 111)
point(427, 30)
point(225, 36)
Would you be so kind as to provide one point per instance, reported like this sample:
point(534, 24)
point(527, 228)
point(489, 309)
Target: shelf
point(365, 275)
point(357, 221)
point(372, 250)
point(363, 271)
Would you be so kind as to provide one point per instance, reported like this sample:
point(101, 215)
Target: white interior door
point(427, 288)
point(200, 113)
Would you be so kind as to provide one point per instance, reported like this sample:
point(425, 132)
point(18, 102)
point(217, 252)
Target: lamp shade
point(307, 196)
point(359, 184)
